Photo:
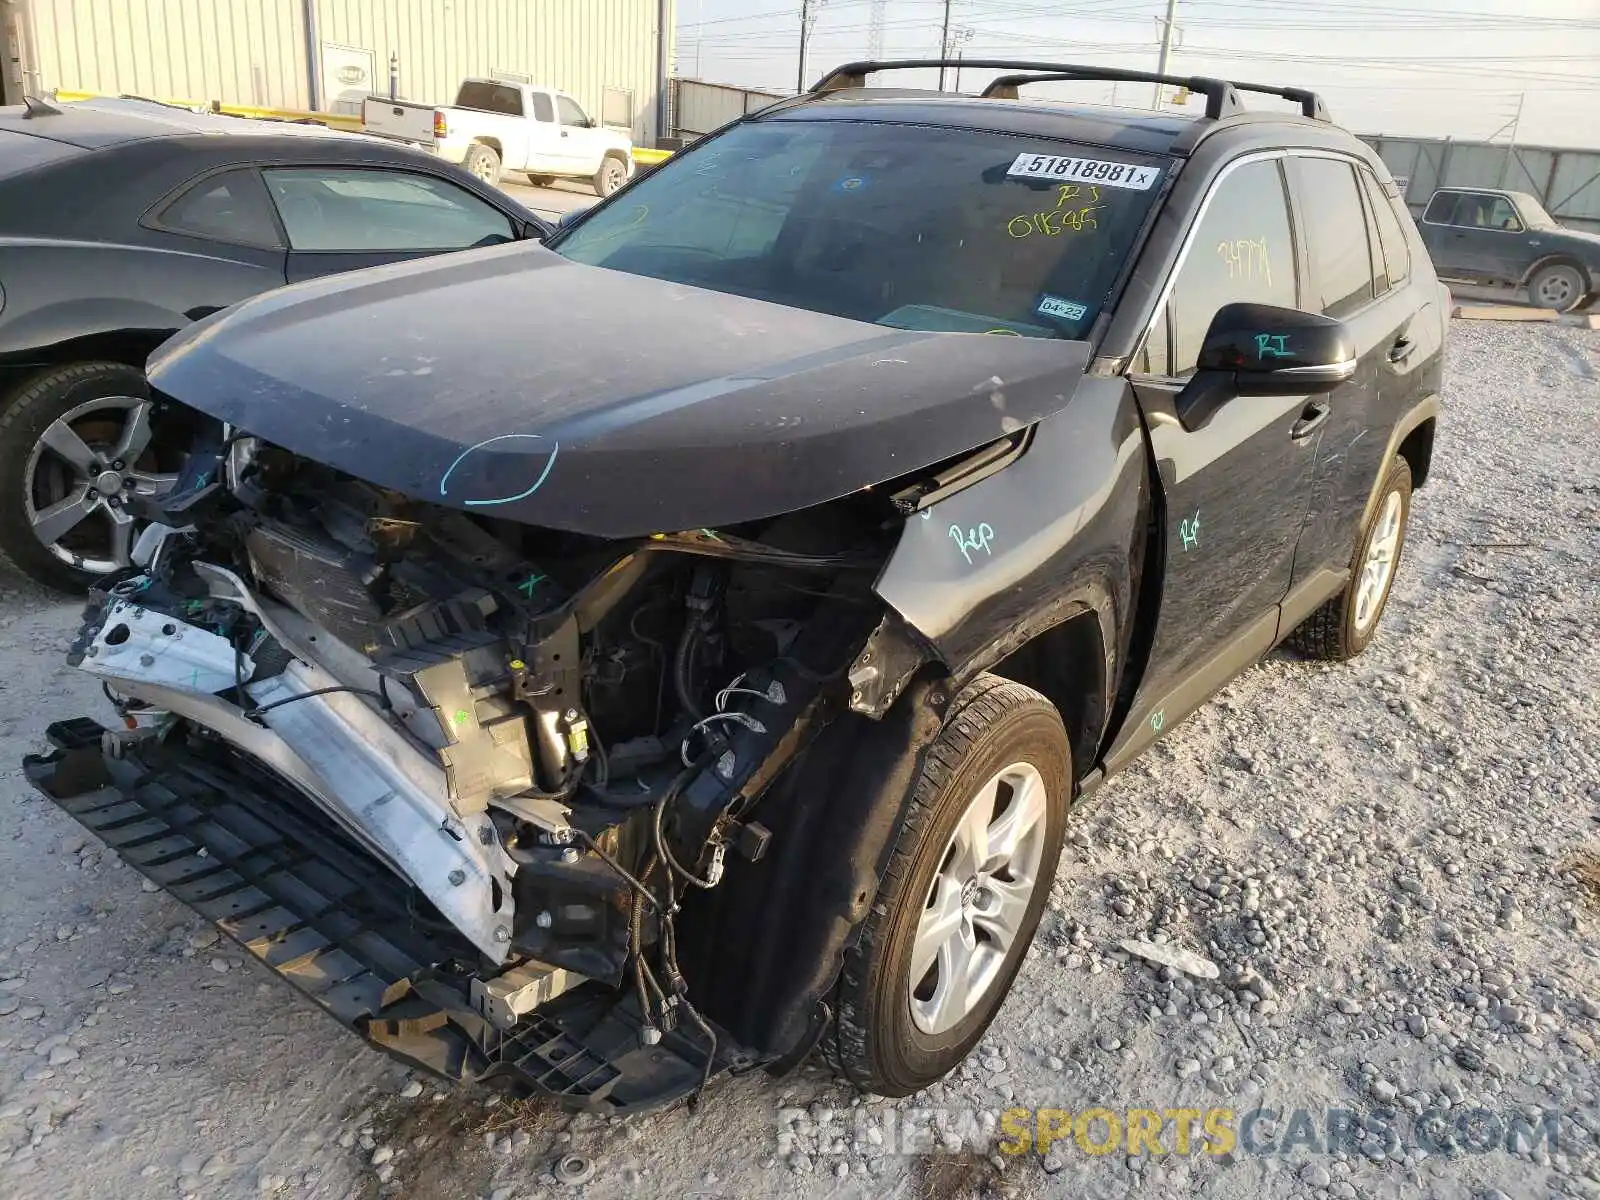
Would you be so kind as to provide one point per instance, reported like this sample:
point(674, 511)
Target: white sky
point(1427, 68)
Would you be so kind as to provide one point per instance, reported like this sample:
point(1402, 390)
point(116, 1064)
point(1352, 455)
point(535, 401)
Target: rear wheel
point(1560, 286)
point(76, 445)
point(963, 893)
point(1344, 626)
point(483, 162)
point(613, 173)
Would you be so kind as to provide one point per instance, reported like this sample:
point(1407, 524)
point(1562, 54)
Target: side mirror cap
point(1278, 351)
point(1263, 350)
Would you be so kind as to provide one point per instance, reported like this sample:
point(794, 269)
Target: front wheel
point(962, 895)
point(1344, 626)
point(77, 445)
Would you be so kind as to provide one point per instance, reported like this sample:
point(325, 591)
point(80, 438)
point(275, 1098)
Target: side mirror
point(1263, 350)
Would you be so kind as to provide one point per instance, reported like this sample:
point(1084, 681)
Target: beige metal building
point(325, 55)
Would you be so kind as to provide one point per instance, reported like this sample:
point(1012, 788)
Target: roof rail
point(1222, 95)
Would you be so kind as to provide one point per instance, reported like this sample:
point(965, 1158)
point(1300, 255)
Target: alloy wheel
point(978, 902)
point(80, 475)
point(1376, 571)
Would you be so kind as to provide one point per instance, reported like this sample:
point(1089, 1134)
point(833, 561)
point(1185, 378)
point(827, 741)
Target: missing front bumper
point(246, 851)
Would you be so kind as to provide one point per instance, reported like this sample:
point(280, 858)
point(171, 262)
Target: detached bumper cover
point(247, 852)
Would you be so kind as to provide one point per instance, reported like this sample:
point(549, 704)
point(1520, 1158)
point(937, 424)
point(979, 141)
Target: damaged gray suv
point(676, 648)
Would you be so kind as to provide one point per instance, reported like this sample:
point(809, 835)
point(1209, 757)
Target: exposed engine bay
point(551, 738)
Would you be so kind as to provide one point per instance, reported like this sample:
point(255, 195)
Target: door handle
point(1311, 416)
point(1402, 349)
point(563, 133)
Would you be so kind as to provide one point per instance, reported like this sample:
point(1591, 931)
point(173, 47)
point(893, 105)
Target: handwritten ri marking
point(1273, 345)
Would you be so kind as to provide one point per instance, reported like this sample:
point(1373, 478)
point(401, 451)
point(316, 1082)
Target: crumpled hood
point(513, 383)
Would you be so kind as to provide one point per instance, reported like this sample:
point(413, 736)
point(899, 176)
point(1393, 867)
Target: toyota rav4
point(680, 646)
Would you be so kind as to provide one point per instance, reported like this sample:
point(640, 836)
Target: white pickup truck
point(497, 125)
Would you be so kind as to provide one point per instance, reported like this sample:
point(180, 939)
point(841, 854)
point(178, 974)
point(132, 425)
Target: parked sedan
point(121, 222)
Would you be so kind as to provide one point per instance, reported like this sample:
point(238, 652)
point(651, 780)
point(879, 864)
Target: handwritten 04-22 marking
point(978, 538)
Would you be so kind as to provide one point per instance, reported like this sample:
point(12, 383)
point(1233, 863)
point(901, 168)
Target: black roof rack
point(1222, 95)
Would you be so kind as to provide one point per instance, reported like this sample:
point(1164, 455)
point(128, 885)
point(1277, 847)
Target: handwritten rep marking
point(972, 541)
point(1189, 531)
point(555, 449)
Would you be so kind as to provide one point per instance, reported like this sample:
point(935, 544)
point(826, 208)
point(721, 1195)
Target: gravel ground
point(1392, 863)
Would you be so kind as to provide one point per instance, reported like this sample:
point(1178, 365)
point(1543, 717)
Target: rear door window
point(370, 209)
point(229, 207)
point(1336, 236)
point(543, 110)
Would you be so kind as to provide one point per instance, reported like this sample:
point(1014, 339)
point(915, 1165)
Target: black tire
point(613, 173)
point(483, 162)
point(24, 417)
point(1561, 286)
point(876, 1043)
point(1334, 633)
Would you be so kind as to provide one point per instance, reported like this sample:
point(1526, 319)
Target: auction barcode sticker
point(1087, 170)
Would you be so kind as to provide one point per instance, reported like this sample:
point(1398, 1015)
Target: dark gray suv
point(1480, 235)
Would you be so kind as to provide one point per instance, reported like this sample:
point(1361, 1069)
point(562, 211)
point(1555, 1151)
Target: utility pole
point(944, 42)
point(958, 41)
point(875, 30)
point(1166, 45)
point(808, 18)
point(805, 30)
point(1511, 147)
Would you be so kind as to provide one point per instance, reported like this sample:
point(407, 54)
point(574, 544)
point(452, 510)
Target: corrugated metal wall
point(700, 108)
point(253, 51)
point(238, 51)
point(1567, 182)
point(579, 46)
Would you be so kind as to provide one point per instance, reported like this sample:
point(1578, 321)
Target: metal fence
point(1567, 182)
point(699, 108)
